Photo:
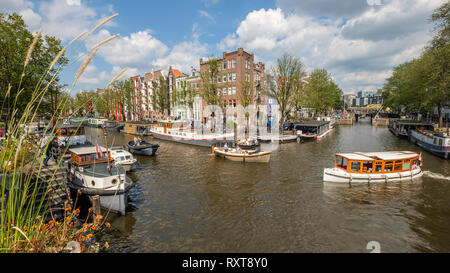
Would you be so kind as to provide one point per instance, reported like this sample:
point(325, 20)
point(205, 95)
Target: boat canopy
point(88, 155)
point(377, 162)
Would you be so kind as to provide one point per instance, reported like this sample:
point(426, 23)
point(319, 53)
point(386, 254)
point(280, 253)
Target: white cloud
point(136, 50)
point(206, 15)
point(183, 56)
point(15, 6)
point(363, 47)
point(32, 19)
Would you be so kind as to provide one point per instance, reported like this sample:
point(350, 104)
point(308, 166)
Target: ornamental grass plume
point(99, 44)
point(24, 196)
point(31, 47)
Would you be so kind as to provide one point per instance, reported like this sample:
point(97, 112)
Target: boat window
point(406, 165)
point(72, 131)
point(435, 141)
point(63, 132)
point(342, 162)
point(356, 166)
point(440, 141)
point(128, 157)
point(398, 165)
point(378, 167)
point(388, 166)
point(367, 166)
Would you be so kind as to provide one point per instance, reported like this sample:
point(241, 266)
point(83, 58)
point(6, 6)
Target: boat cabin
point(89, 155)
point(401, 127)
point(96, 122)
point(169, 124)
point(138, 128)
point(68, 130)
point(312, 127)
point(375, 163)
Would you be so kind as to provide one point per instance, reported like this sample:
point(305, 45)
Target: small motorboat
point(242, 155)
point(249, 145)
point(143, 148)
point(122, 157)
point(374, 167)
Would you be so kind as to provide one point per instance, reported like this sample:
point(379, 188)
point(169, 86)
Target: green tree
point(15, 40)
point(423, 84)
point(284, 81)
point(321, 92)
point(161, 100)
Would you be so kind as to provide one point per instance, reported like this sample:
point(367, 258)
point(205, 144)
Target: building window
point(224, 65)
point(229, 63)
point(247, 64)
point(233, 63)
point(233, 90)
point(224, 78)
point(234, 76)
point(218, 79)
point(229, 90)
point(218, 91)
point(229, 77)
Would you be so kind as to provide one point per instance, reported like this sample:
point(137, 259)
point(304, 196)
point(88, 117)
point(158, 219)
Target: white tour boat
point(374, 167)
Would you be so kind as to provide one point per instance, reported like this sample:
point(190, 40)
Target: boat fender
point(350, 181)
point(386, 178)
point(369, 178)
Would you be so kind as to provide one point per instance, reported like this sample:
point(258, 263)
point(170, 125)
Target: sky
point(357, 41)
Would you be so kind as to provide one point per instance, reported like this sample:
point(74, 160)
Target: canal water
point(186, 200)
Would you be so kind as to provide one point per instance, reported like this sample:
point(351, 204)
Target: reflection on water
point(186, 200)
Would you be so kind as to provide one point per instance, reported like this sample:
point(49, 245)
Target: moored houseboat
point(312, 130)
point(280, 138)
point(92, 172)
point(71, 135)
point(234, 154)
point(437, 143)
point(96, 122)
point(401, 127)
point(113, 125)
point(374, 167)
point(170, 130)
point(138, 128)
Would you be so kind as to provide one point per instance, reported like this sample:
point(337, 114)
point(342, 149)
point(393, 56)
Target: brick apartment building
point(234, 68)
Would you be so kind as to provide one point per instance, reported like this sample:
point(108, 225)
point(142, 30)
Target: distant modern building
point(364, 98)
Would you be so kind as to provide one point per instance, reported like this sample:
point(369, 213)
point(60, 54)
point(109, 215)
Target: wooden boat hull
point(336, 175)
point(145, 150)
point(261, 157)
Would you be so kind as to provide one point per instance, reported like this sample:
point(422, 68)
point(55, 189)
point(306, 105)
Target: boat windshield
point(341, 162)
